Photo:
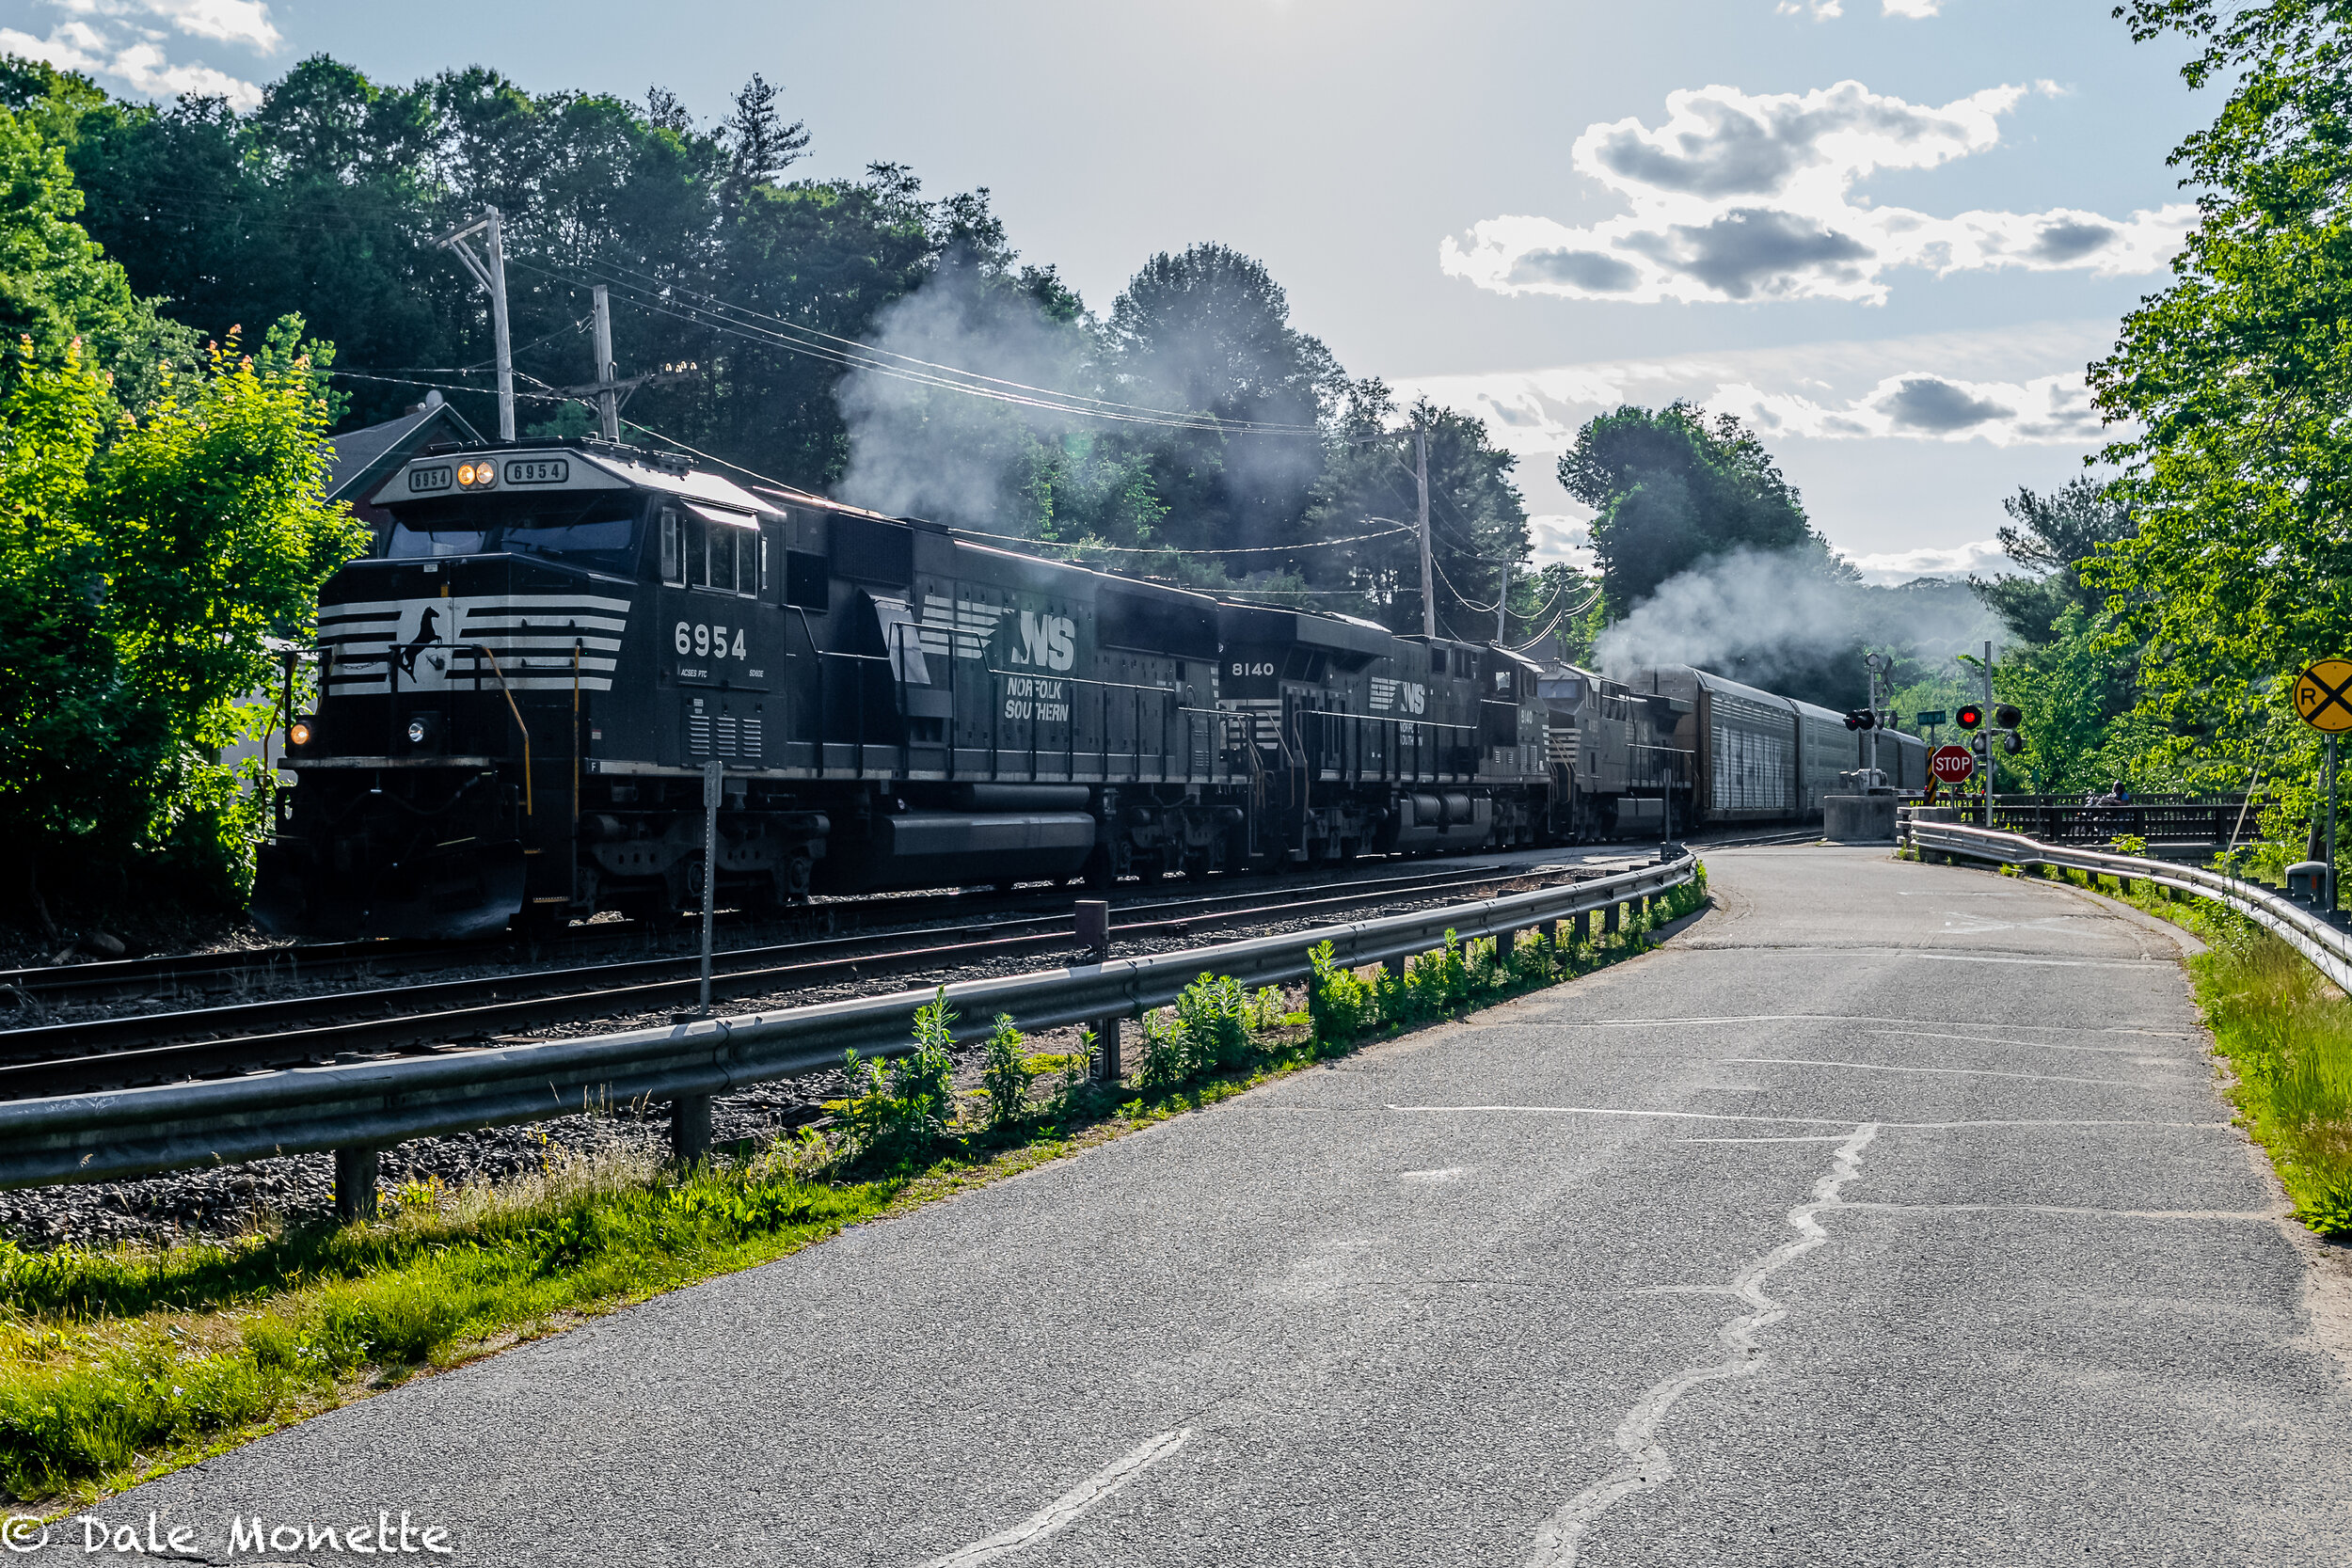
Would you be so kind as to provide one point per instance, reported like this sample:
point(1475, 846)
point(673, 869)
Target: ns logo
point(1047, 642)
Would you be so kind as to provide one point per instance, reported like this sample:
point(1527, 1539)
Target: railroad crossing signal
point(2007, 717)
point(1952, 765)
point(2323, 696)
point(1969, 716)
point(1861, 718)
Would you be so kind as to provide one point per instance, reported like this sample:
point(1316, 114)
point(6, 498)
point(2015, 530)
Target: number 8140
point(709, 641)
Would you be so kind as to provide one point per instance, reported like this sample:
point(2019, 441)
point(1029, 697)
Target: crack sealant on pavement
point(1070, 1506)
point(1649, 1464)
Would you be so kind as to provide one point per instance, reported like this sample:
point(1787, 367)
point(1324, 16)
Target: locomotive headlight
point(298, 732)
point(477, 476)
point(465, 473)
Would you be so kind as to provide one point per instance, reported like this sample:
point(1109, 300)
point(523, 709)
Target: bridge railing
point(2305, 930)
point(2162, 819)
point(363, 1106)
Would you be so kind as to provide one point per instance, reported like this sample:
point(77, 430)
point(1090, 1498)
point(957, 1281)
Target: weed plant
point(1005, 1075)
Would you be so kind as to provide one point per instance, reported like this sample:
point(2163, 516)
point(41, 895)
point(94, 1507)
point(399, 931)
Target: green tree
point(1478, 518)
point(73, 743)
point(1207, 331)
point(2235, 379)
point(2055, 537)
point(1669, 490)
point(143, 569)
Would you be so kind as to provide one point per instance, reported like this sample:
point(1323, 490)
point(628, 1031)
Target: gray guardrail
point(2328, 947)
point(103, 1136)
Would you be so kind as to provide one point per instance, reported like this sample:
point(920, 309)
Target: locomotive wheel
point(1196, 866)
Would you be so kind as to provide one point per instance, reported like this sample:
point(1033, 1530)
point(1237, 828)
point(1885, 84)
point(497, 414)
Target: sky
point(1890, 234)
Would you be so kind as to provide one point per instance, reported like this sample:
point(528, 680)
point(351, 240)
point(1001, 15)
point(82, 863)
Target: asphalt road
point(1889, 1214)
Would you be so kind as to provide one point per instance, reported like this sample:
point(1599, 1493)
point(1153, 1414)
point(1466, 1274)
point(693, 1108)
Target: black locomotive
point(524, 690)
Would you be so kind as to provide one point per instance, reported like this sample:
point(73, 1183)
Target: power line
point(1259, 426)
point(857, 355)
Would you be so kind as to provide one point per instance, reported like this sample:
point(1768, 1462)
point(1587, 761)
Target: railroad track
point(173, 974)
point(279, 1032)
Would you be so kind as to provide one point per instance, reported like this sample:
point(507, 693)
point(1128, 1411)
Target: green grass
point(121, 1364)
point(2287, 1035)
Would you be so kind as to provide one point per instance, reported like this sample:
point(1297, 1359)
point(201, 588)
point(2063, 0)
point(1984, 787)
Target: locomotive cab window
point(718, 551)
point(597, 531)
point(1436, 661)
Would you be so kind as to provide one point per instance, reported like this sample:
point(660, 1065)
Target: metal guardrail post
point(1611, 918)
point(1094, 931)
point(1581, 927)
point(356, 1174)
point(689, 1128)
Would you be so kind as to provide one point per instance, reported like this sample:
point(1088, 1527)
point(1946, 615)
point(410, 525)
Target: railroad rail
point(2328, 946)
point(358, 1108)
point(137, 1048)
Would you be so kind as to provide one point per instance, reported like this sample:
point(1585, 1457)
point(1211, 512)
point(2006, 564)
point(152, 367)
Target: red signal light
point(1969, 717)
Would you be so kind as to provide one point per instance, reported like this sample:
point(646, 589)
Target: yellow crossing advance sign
point(2323, 695)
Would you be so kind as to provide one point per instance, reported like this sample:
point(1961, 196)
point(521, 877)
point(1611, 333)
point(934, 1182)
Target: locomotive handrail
point(2328, 946)
point(481, 652)
point(373, 1104)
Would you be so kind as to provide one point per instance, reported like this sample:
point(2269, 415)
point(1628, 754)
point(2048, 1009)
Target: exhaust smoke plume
point(1775, 620)
point(926, 452)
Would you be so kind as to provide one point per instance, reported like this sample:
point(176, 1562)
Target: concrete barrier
point(1858, 819)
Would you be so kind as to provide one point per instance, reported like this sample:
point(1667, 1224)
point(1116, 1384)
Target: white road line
point(1819, 1121)
point(1069, 1506)
point(2266, 1217)
point(1938, 1072)
point(1808, 1138)
point(1612, 1110)
point(2045, 963)
point(2029, 1045)
point(1649, 1464)
point(1849, 1018)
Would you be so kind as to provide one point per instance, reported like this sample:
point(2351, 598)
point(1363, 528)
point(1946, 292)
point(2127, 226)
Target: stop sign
point(1952, 764)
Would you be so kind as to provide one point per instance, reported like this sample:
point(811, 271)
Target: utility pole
point(1502, 602)
point(1992, 753)
point(492, 278)
point(1428, 576)
point(608, 400)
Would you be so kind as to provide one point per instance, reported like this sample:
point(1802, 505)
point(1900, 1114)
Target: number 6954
point(709, 641)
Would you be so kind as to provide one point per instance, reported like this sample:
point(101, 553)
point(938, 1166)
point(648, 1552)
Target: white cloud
point(1743, 197)
point(1557, 538)
point(1918, 10)
point(1921, 403)
point(242, 22)
point(1821, 11)
point(1978, 558)
point(118, 41)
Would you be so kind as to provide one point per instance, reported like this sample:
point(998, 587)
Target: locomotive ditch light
point(1969, 717)
point(2007, 717)
point(298, 732)
point(421, 729)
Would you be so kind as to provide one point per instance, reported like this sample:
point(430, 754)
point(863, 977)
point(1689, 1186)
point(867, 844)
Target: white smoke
point(924, 451)
point(1757, 616)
